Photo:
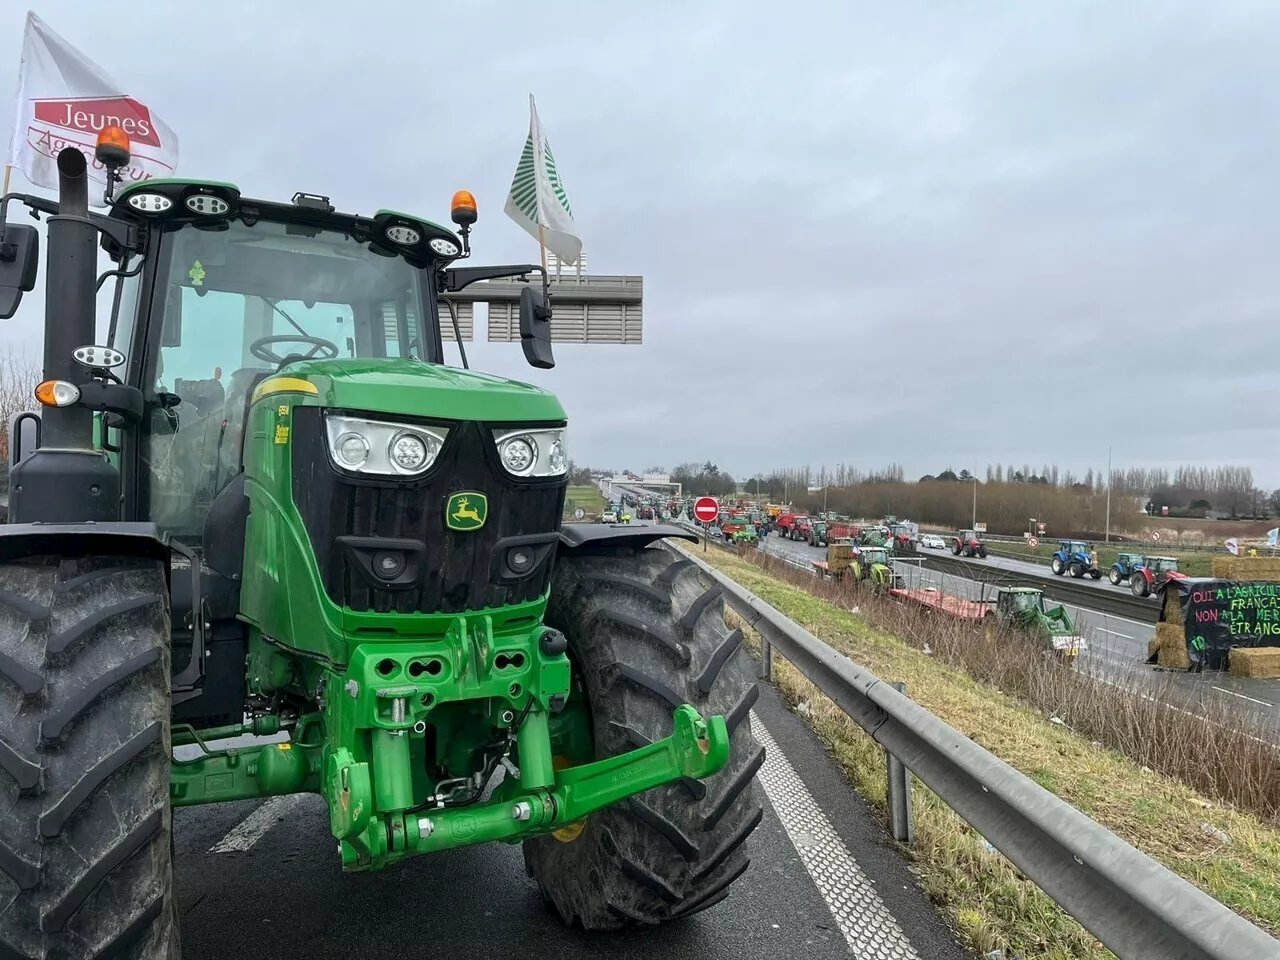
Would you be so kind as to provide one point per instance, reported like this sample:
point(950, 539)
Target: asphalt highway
point(1117, 645)
point(260, 880)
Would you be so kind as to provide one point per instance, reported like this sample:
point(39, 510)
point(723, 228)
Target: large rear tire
point(1114, 577)
point(86, 865)
point(646, 635)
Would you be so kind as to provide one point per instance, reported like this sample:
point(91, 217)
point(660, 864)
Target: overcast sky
point(931, 233)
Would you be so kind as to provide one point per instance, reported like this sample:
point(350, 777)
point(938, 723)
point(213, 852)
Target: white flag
point(1233, 547)
point(537, 196)
point(1273, 536)
point(64, 100)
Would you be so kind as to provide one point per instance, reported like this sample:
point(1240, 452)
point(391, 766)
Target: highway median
point(1199, 793)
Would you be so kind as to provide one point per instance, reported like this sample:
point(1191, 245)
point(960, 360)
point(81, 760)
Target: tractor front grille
point(455, 571)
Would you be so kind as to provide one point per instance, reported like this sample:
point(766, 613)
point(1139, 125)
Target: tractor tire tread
point(88, 845)
point(675, 849)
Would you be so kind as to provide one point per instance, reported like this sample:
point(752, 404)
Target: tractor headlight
point(383, 447)
point(532, 453)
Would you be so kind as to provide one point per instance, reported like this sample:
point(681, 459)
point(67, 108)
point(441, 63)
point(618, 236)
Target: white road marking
point(1242, 696)
point(868, 927)
point(253, 827)
point(1114, 633)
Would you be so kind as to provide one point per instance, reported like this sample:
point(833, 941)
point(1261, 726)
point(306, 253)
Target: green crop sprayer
point(343, 543)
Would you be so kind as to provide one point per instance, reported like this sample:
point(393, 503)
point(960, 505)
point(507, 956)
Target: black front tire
point(86, 862)
point(1114, 577)
point(645, 635)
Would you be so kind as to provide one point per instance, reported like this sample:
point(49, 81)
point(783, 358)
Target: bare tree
point(19, 375)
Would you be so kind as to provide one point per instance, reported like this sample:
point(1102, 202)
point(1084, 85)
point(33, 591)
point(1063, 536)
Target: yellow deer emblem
point(467, 511)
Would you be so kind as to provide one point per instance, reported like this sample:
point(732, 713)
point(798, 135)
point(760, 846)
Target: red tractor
point(801, 529)
point(966, 543)
point(1153, 574)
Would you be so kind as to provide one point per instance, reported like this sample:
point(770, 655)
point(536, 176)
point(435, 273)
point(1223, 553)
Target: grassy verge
point(1192, 564)
point(961, 672)
point(587, 496)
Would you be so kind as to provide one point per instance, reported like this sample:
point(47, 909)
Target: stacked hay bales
point(1171, 645)
point(838, 557)
point(1247, 569)
point(1260, 662)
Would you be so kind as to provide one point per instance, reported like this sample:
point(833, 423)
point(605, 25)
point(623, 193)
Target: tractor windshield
point(1027, 602)
point(236, 304)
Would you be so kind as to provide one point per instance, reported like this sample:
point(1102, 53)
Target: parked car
point(932, 541)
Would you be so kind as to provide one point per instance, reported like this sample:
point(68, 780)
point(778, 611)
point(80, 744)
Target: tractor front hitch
point(697, 748)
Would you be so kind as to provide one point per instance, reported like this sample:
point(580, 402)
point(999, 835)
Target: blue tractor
point(1124, 566)
point(1073, 557)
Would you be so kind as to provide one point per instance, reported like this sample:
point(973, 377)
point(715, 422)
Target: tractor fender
point(582, 536)
point(116, 538)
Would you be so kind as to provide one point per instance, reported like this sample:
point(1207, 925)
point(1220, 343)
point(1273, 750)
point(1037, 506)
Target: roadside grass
point(587, 496)
point(1198, 564)
point(1125, 760)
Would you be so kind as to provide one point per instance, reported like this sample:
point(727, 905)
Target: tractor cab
point(873, 555)
point(1020, 600)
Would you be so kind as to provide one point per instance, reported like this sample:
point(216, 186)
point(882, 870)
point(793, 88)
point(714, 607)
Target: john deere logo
point(466, 511)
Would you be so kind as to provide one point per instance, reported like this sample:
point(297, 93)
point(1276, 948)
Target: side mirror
point(535, 329)
point(19, 261)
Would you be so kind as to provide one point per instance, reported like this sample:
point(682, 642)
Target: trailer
point(946, 603)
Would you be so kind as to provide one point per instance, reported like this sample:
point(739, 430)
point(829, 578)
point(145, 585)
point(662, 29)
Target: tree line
point(1008, 496)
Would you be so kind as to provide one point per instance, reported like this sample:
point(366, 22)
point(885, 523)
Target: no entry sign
point(706, 509)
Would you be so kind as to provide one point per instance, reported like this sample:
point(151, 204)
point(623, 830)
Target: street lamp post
point(1107, 535)
point(975, 501)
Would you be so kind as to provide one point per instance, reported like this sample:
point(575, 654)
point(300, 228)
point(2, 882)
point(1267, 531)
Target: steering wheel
point(321, 348)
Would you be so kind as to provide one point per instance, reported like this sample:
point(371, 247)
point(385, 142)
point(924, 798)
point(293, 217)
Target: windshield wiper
point(294, 323)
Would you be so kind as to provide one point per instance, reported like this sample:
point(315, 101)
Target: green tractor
point(345, 543)
point(872, 563)
point(1023, 607)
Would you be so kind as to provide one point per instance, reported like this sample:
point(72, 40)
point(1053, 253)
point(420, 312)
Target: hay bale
point(1173, 646)
point(1260, 662)
point(1172, 609)
point(1153, 646)
point(1247, 569)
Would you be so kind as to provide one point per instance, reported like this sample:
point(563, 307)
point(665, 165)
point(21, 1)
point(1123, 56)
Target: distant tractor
point(1152, 575)
point(800, 528)
point(1023, 607)
point(1073, 557)
point(1124, 567)
point(904, 537)
point(644, 513)
point(967, 543)
point(817, 534)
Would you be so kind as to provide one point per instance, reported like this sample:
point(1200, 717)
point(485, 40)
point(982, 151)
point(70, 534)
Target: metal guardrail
point(1136, 907)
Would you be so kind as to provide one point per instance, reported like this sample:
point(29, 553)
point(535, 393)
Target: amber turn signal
point(57, 393)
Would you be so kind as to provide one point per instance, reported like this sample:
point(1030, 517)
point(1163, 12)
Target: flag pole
point(542, 243)
point(8, 172)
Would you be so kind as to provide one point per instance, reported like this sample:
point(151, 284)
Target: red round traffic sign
point(1155, 535)
point(706, 509)
point(1033, 543)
